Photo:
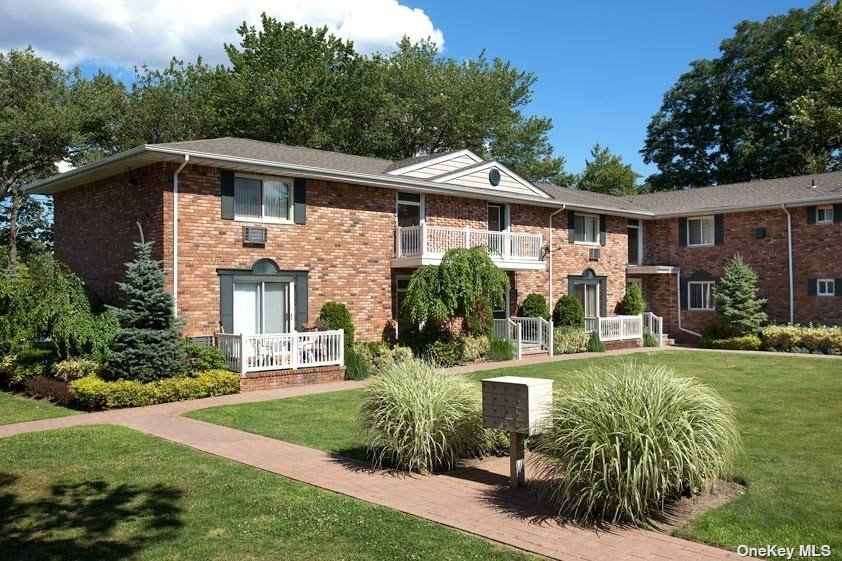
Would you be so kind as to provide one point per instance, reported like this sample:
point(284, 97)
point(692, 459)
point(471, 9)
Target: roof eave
point(797, 203)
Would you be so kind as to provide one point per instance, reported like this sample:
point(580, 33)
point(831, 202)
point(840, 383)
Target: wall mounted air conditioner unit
point(254, 236)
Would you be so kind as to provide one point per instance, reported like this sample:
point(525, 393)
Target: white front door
point(263, 307)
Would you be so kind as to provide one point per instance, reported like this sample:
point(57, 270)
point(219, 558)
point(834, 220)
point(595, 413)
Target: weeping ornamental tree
point(148, 345)
point(465, 277)
point(738, 307)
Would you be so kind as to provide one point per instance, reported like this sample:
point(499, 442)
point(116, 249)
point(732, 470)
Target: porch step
point(532, 349)
point(667, 340)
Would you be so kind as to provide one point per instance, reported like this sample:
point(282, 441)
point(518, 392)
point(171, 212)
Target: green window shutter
point(300, 201)
point(684, 296)
point(837, 213)
point(227, 181)
point(226, 302)
point(301, 301)
point(811, 215)
point(571, 227)
point(718, 229)
point(682, 232)
point(837, 287)
point(603, 293)
point(812, 286)
point(603, 237)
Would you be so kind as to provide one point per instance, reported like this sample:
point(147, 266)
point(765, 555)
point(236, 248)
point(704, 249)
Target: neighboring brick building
point(267, 233)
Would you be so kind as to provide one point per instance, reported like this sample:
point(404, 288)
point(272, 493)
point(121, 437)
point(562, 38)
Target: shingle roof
point(753, 194)
point(418, 159)
point(588, 198)
point(270, 151)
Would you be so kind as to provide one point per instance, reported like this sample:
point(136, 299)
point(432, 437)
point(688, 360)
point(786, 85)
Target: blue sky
point(602, 67)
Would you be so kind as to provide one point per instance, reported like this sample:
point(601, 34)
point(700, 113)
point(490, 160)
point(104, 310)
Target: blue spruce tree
point(148, 345)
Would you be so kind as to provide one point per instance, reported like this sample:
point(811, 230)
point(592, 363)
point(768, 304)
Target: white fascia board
point(743, 208)
point(491, 163)
point(437, 160)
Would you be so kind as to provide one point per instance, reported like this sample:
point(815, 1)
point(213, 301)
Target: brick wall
point(815, 251)
point(346, 245)
point(96, 224)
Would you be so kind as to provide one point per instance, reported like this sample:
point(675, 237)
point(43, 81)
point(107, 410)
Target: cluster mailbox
point(516, 404)
point(520, 406)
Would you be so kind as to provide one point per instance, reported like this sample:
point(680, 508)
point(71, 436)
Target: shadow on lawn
point(86, 520)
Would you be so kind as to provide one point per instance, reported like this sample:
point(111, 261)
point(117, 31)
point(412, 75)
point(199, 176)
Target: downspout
point(678, 294)
point(175, 234)
point(550, 251)
point(789, 262)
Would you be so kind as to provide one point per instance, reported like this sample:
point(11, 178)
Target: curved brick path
point(475, 500)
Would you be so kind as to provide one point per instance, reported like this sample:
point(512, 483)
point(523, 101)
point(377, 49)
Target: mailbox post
point(520, 406)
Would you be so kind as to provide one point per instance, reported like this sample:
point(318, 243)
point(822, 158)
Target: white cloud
point(133, 32)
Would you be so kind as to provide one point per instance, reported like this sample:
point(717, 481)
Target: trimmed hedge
point(475, 348)
point(92, 393)
point(569, 312)
point(803, 339)
point(744, 343)
point(335, 315)
point(569, 340)
point(535, 306)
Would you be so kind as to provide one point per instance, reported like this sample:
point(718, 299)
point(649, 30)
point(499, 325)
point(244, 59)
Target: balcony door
point(263, 307)
point(496, 223)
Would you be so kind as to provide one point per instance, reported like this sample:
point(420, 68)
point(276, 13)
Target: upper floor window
point(826, 287)
point(410, 209)
point(700, 231)
point(701, 295)
point(824, 215)
point(586, 228)
point(257, 198)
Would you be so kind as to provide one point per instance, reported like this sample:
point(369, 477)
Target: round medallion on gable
point(494, 177)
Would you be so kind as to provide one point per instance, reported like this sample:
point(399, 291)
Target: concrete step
point(529, 350)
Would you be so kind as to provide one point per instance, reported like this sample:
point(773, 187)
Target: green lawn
point(106, 493)
point(790, 415)
point(14, 409)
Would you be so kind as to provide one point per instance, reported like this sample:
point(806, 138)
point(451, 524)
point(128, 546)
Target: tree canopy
point(770, 105)
point(606, 173)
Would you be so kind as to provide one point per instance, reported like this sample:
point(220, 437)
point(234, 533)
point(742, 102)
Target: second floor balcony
point(426, 245)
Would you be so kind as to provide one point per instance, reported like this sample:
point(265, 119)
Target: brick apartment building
point(258, 236)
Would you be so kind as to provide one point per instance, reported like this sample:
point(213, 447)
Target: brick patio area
point(476, 500)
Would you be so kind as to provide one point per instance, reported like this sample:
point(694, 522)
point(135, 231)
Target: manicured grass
point(14, 409)
point(106, 493)
point(326, 421)
point(790, 417)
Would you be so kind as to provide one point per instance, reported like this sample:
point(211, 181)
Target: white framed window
point(824, 215)
point(410, 209)
point(586, 228)
point(700, 294)
point(826, 287)
point(263, 199)
point(700, 231)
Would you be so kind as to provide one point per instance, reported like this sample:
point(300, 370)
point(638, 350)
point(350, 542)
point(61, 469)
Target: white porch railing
point(537, 331)
point(281, 351)
point(655, 325)
point(510, 331)
point(435, 241)
point(619, 328)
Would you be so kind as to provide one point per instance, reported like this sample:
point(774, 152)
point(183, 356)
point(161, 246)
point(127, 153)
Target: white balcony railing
point(536, 331)
point(435, 241)
point(281, 351)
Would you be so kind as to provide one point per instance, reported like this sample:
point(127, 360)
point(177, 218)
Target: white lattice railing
point(510, 331)
point(281, 351)
point(655, 325)
point(619, 328)
point(427, 240)
point(537, 331)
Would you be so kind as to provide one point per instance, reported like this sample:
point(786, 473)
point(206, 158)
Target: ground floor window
point(826, 287)
point(701, 295)
point(263, 307)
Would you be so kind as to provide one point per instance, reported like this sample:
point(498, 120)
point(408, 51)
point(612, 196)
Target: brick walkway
point(475, 500)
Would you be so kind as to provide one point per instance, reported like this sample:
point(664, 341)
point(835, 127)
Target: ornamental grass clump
point(624, 441)
point(417, 418)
